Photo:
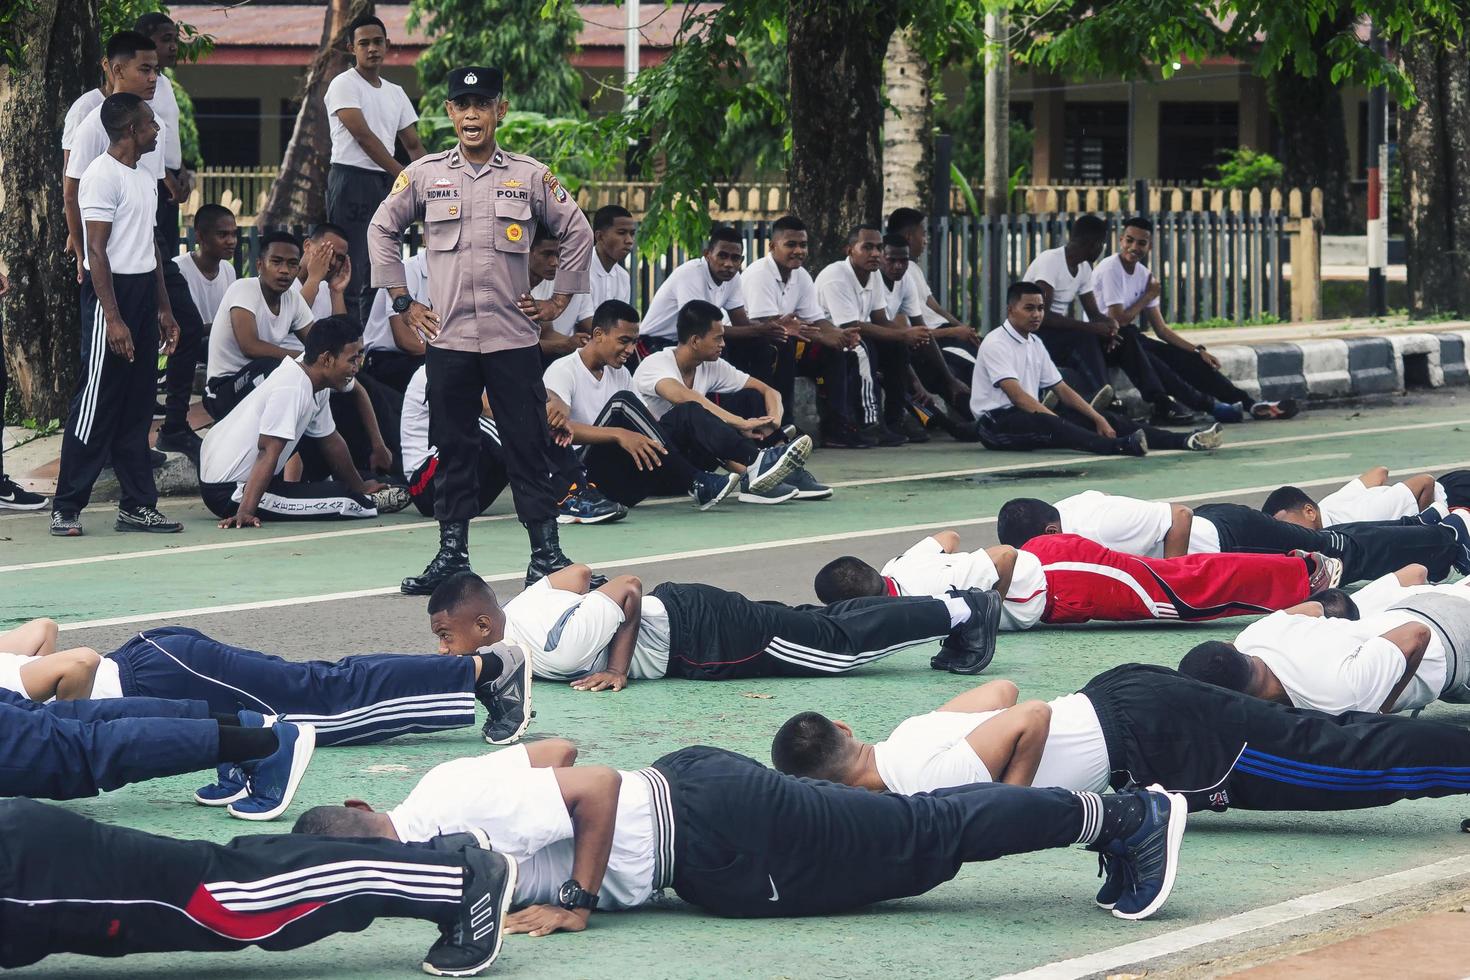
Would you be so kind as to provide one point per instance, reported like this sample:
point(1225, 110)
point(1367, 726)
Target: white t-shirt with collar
point(688, 282)
point(1356, 502)
point(127, 198)
point(1050, 267)
point(1126, 524)
point(280, 328)
point(522, 811)
point(378, 334)
point(915, 279)
point(84, 104)
point(284, 405)
point(567, 634)
point(386, 109)
point(903, 298)
point(925, 569)
point(90, 141)
point(605, 284)
point(710, 378)
point(571, 380)
point(1113, 284)
point(845, 298)
point(579, 307)
point(767, 295)
point(1007, 353)
point(207, 294)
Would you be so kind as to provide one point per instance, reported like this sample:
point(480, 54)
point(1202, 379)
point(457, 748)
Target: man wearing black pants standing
point(480, 206)
point(124, 310)
point(73, 885)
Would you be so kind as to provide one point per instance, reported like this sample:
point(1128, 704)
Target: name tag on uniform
point(441, 193)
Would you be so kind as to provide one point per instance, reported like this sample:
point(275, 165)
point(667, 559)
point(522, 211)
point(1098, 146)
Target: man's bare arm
point(1011, 744)
point(626, 592)
point(357, 125)
point(991, 696)
point(552, 753)
point(1176, 539)
point(1412, 639)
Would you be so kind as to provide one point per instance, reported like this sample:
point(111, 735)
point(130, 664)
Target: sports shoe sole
point(1178, 815)
point(223, 800)
point(505, 899)
point(1103, 397)
point(615, 515)
point(13, 505)
point(730, 484)
point(121, 525)
point(300, 757)
point(792, 459)
point(526, 677)
point(813, 494)
point(66, 532)
point(755, 498)
point(1206, 439)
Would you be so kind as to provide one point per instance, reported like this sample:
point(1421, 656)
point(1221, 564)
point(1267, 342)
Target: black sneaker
point(184, 441)
point(845, 435)
point(1141, 868)
point(508, 699)
point(884, 436)
point(709, 489)
point(470, 944)
point(156, 459)
point(1135, 445)
point(1170, 412)
point(12, 497)
point(587, 505)
point(1287, 408)
point(808, 487)
point(66, 523)
point(909, 428)
point(970, 646)
point(145, 519)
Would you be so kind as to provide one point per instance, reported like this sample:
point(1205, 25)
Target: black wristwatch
point(572, 896)
point(402, 303)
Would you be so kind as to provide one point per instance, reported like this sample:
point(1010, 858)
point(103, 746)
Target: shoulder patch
point(553, 186)
point(400, 183)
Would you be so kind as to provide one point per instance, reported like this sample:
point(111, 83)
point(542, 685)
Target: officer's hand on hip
point(543, 309)
point(422, 319)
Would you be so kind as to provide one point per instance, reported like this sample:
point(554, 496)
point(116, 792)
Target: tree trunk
point(1309, 118)
point(1434, 146)
point(908, 126)
point(59, 60)
point(835, 52)
point(298, 196)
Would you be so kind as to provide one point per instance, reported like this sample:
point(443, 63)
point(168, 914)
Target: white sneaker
point(1206, 439)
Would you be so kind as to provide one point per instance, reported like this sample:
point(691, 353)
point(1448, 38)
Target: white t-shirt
point(1356, 502)
point(321, 303)
point(1111, 283)
point(127, 197)
point(567, 634)
point(767, 295)
point(1007, 353)
point(413, 424)
point(90, 141)
point(207, 294)
point(925, 569)
point(903, 299)
point(165, 106)
point(931, 752)
point(573, 382)
point(1126, 524)
point(84, 104)
point(845, 298)
point(386, 109)
point(915, 280)
point(522, 811)
point(283, 405)
point(1050, 267)
point(605, 284)
point(689, 282)
point(710, 377)
point(378, 334)
point(225, 356)
point(106, 684)
point(579, 307)
point(1332, 665)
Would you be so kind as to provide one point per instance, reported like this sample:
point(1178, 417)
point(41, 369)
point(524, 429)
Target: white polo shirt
point(284, 405)
point(90, 140)
point(571, 380)
point(206, 293)
point(914, 278)
point(378, 334)
point(1007, 353)
point(84, 104)
point(413, 423)
point(1111, 283)
point(279, 328)
point(107, 683)
point(931, 752)
point(1126, 524)
point(925, 569)
point(1356, 502)
point(768, 295)
point(127, 198)
point(710, 378)
point(579, 307)
point(605, 284)
point(522, 811)
point(846, 298)
point(688, 282)
point(903, 298)
point(567, 634)
point(386, 109)
point(1051, 268)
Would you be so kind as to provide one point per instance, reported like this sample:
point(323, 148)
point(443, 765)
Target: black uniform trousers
point(615, 472)
point(74, 885)
point(178, 376)
point(286, 500)
point(1012, 428)
point(223, 392)
point(770, 362)
point(715, 635)
point(353, 196)
point(490, 473)
point(1222, 748)
point(112, 410)
point(1084, 352)
point(704, 440)
point(750, 842)
point(511, 379)
point(387, 406)
point(1190, 380)
point(890, 360)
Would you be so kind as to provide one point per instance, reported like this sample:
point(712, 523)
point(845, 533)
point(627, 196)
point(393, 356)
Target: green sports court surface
point(320, 591)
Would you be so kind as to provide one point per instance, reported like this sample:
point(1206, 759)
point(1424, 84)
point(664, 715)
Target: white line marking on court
point(1298, 459)
point(621, 563)
point(237, 543)
point(1235, 925)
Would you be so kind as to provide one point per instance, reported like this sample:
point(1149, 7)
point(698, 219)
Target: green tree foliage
point(121, 15)
point(1245, 169)
point(576, 150)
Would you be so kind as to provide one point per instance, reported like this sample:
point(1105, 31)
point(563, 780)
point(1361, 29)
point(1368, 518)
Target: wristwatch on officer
point(572, 896)
point(402, 303)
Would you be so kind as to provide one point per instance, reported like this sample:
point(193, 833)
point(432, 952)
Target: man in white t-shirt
point(614, 233)
point(125, 322)
point(568, 331)
point(713, 278)
point(1014, 368)
point(624, 451)
point(245, 452)
point(325, 271)
point(367, 113)
point(675, 385)
point(177, 180)
point(1369, 497)
point(394, 350)
point(30, 665)
point(79, 110)
point(958, 344)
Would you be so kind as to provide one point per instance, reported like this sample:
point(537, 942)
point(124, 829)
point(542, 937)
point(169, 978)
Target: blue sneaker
point(587, 505)
point(1228, 414)
point(1141, 868)
point(272, 781)
point(709, 489)
point(228, 787)
point(808, 487)
point(772, 466)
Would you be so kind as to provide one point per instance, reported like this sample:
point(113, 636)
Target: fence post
point(1306, 256)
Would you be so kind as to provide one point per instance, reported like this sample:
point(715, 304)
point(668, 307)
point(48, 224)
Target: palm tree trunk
point(908, 141)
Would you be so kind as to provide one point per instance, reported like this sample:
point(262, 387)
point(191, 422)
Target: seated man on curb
point(931, 379)
point(567, 332)
point(421, 458)
point(624, 451)
point(1063, 578)
point(718, 827)
point(674, 385)
point(393, 350)
point(244, 454)
point(1366, 498)
point(1012, 370)
point(713, 278)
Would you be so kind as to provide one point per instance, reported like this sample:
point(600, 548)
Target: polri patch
point(501, 192)
point(554, 186)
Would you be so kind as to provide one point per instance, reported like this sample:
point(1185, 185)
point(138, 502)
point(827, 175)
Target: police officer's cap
point(475, 80)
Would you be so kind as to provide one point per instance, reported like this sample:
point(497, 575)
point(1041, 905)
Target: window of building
point(1097, 141)
point(229, 131)
point(287, 120)
point(1193, 136)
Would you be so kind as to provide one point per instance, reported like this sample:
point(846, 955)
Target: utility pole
point(997, 160)
point(1377, 189)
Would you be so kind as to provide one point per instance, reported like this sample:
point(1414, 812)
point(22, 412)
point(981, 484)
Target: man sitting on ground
point(614, 233)
point(930, 371)
point(569, 330)
point(1012, 370)
point(1366, 498)
point(674, 385)
point(712, 278)
point(392, 349)
point(325, 271)
point(421, 458)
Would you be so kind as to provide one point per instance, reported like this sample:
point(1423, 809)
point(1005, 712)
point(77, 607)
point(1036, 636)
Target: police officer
point(480, 206)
